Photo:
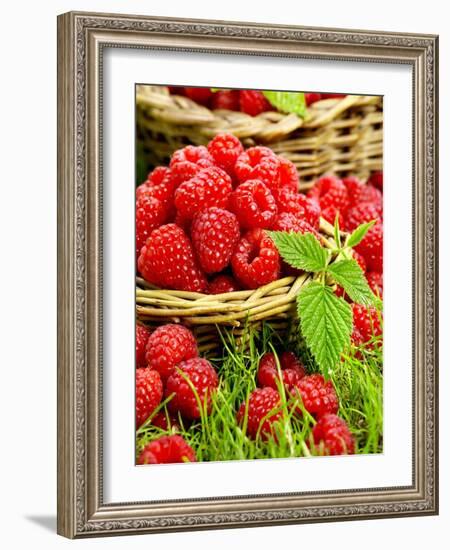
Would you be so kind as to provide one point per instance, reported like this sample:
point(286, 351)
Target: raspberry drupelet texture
point(376, 179)
point(167, 260)
point(288, 175)
point(142, 335)
point(254, 205)
point(222, 284)
point(167, 346)
point(292, 371)
point(371, 248)
point(194, 374)
point(366, 324)
point(292, 223)
point(209, 187)
point(259, 163)
point(332, 436)
point(150, 214)
point(167, 449)
point(375, 281)
point(361, 213)
point(256, 261)
point(263, 409)
point(186, 162)
point(253, 102)
point(359, 192)
point(225, 150)
point(331, 195)
point(149, 391)
point(215, 233)
point(298, 204)
point(226, 99)
point(317, 394)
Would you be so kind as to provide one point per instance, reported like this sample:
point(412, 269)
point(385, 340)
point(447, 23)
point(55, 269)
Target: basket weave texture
point(342, 136)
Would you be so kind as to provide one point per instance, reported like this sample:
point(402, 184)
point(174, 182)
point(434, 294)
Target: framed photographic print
point(247, 274)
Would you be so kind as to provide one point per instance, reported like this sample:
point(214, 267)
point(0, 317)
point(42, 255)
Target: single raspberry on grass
point(292, 370)
point(226, 99)
point(298, 204)
point(165, 421)
point(361, 213)
point(259, 163)
point(255, 261)
point(167, 260)
point(253, 204)
point(317, 394)
point(225, 150)
point(199, 95)
point(263, 409)
point(167, 449)
point(167, 346)
point(191, 385)
point(149, 392)
point(375, 281)
point(366, 324)
point(150, 214)
point(312, 97)
point(332, 436)
point(371, 248)
point(186, 162)
point(209, 187)
point(142, 335)
point(376, 179)
point(253, 102)
point(215, 233)
point(222, 284)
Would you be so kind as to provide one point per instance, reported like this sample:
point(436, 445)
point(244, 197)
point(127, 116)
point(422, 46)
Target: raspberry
point(142, 335)
point(226, 99)
point(366, 324)
point(332, 96)
point(359, 192)
point(255, 261)
point(330, 191)
point(361, 213)
point(291, 223)
point(376, 179)
point(225, 149)
point(177, 90)
point(215, 234)
point(167, 260)
point(203, 379)
point(332, 436)
point(298, 204)
point(167, 346)
point(199, 95)
point(149, 391)
point(288, 175)
point(209, 187)
point(262, 411)
point(318, 396)
point(253, 204)
point(222, 284)
point(361, 261)
point(186, 162)
point(167, 449)
point(375, 281)
point(150, 214)
point(371, 248)
point(160, 185)
point(312, 97)
point(259, 163)
point(165, 421)
point(292, 371)
point(253, 102)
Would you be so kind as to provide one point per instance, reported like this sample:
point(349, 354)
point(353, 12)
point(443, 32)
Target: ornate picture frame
point(82, 37)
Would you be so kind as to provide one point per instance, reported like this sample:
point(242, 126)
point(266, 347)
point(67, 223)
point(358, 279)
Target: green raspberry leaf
point(350, 277)
point(300, 251)
point(287, 102)
point(326, 323)
point(359, 233)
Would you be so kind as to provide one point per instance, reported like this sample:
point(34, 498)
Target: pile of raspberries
point(252, 102)
point(200, 221)
point(168, 366)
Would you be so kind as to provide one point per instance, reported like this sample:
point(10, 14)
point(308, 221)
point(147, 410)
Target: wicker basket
point(342, 136)
point(208, 314)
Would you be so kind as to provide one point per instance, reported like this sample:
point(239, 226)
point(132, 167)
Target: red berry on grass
point(332, 436)
point(222, 284)
point(149, 391)
point(215, 234)
point(226, 99)
point(142, 334)
point(225, 150)
point(167, 346)
point(209, 187)
point(202, 378)
point(366, 324)
point(253, 204)
point(167, 449)
point(165, 421)
point(318, 395)
point(253, 102)
point(263, 409)
point(256, 261)
point(167, 260)
point(292, 371)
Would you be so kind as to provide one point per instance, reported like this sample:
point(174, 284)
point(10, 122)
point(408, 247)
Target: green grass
point(216, 436)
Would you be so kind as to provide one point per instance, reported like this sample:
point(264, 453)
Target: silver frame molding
point(81, 39)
